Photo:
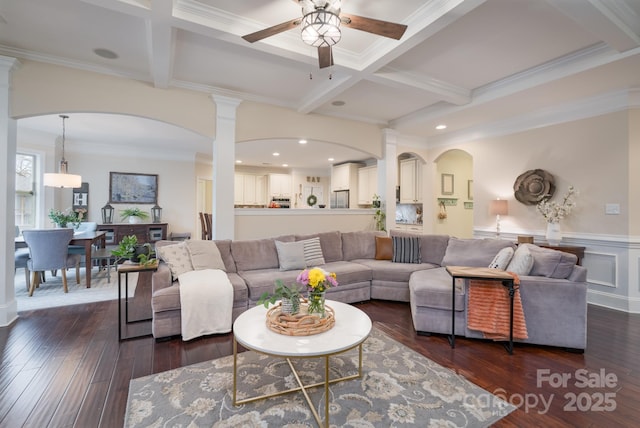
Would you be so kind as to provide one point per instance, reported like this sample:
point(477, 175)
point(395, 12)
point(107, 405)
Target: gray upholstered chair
point(48, 251)
point(21, 259)
point(85, 226)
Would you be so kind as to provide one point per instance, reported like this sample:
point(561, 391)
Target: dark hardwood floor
point(64, 367)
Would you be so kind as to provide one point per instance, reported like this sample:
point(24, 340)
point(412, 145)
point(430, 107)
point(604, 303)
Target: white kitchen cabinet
point(410, 181)
point(280, 185)
point(344, 177)
point(249, 189)
point(367, 184)
point(409, 227)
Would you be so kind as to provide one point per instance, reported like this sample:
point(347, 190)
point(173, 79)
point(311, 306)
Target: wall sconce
point(498, 207)
point(156, 213)
point(107, 214)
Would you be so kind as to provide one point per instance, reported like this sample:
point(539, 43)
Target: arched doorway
point(454, 190)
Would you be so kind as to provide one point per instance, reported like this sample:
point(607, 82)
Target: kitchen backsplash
point(409, 213)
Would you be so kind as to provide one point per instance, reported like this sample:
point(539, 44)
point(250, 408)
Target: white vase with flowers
point(553, 212)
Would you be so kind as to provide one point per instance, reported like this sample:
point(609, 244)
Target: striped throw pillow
point(406, 249)
point(313, 252)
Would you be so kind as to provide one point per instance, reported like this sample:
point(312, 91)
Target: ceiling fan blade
point(271, 31)
point(375, 26)
point(325, 56)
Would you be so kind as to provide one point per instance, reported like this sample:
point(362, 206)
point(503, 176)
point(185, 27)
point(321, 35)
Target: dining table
point(86, 239)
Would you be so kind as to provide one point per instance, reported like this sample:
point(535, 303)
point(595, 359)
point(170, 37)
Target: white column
point(388, 175)
point(8, 136)
point(224, 157)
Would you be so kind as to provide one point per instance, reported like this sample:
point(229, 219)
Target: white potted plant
point(135, 215)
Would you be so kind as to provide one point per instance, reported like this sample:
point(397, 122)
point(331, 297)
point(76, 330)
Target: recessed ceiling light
point(302, 142)
point(331, 159)
point(439, 127)
point(276, 154)
point(105, 53)
point(238, 161)
point(285, 164)
point(338, 103)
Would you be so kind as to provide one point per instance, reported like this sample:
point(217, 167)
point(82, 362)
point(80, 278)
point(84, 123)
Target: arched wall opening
point(454, 189)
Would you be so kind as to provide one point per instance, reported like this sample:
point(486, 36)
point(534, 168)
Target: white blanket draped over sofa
point(206, 297)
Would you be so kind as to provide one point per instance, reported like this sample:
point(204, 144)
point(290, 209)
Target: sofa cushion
point(502, 259)
point(359, 245)
point(224, 246)
point(257, 253)
point(176, 257)
point(205, 255)
point(330, 242)
point(291, 255)
point(522, 261)
point(406, 249)
point(384, 248)
point(385, 270)
point(313, 252)
point(473, 252)
point(432, 289)
point(551, 263)
point(432, 247)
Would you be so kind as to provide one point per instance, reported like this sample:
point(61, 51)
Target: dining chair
point(21, 258)
point(85, 226)
point(203, 225)
point(48, 250)
point(208, 218)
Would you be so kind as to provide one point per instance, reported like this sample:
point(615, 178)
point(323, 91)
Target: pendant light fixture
point(62, 178)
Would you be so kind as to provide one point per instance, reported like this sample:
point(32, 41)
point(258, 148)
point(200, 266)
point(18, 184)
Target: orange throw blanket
point(488, 310)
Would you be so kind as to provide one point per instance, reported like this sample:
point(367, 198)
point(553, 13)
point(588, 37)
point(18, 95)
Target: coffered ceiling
point(472, 64)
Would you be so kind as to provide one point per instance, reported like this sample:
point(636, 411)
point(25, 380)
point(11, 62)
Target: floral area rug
point(399, 388)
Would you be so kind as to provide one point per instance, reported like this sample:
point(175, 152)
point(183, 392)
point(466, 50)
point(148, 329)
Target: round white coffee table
point(352, 327)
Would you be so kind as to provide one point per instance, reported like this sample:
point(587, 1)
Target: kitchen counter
point(303, 211)
point(257, 223)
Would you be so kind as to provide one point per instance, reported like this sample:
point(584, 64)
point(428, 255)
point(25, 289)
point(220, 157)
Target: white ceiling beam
point(401, 80)
point(586, 59)
point(612, 21)
point(138, 9)
point(161, 42)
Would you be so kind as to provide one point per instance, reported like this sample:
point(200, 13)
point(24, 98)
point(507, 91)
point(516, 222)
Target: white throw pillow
point(313, 252)
point(205, 255)
point(521, 262)
point(177, 257)
point(502, 259)
point(291, 255)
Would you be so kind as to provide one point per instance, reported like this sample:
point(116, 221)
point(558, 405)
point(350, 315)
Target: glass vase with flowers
point(317, 281)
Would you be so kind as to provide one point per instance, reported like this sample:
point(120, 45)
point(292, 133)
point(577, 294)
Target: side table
point(125, 269)
point(483, 274)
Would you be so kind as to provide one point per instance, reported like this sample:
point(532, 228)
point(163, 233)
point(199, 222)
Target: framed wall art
point(133, 188)
point(447, 184)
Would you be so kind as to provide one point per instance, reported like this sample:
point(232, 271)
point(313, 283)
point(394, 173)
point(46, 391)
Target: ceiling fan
point(320, 22)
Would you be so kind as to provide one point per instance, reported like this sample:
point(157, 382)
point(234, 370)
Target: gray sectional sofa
point(555, 308)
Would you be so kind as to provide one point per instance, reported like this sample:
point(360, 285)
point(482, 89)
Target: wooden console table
point(145, 232)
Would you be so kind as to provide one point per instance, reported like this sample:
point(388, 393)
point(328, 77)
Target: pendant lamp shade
point(62, 178)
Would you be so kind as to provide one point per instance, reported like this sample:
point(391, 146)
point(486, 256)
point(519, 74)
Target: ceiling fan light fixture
point(321, 28)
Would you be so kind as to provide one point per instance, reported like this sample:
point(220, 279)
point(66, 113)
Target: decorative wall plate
point(533, 186)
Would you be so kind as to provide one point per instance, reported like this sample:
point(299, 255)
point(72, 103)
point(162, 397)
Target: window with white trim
point(25, 210)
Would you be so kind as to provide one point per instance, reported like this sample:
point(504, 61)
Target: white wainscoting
point(612, 262)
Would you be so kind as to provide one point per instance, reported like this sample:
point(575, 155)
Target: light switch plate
point(612, 209)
